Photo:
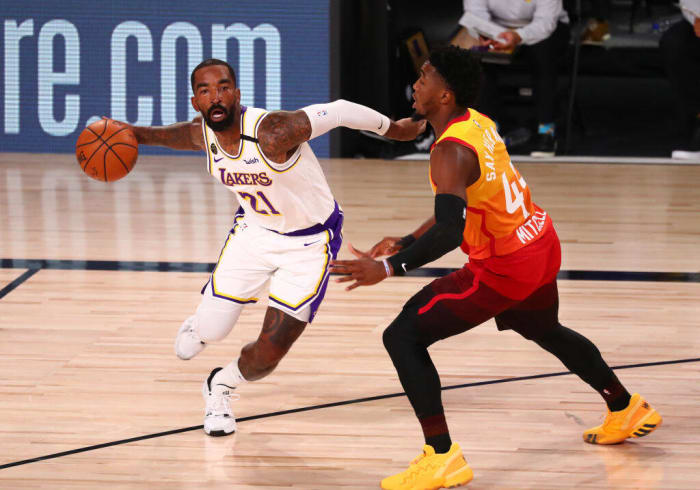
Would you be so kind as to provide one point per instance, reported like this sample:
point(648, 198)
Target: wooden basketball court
point(96, 279)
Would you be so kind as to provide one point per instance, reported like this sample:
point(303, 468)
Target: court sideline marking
point(325, 405)
point(17, 282)
point(206, 267)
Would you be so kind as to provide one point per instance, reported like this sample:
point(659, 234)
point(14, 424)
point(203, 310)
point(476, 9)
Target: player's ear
point(194, 104)
point(447, 97)
point(237, 95)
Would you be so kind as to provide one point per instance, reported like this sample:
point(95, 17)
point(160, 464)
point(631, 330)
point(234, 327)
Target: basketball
point(106, 150)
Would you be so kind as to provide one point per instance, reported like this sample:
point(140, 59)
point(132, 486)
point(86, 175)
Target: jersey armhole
point(461, 142)
point(207, 148)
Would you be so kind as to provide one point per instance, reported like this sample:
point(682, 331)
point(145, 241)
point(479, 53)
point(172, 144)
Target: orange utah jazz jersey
point(501, 217)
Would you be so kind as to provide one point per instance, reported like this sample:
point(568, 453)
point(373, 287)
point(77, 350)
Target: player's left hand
point(406, 129)
point(365, 271)
point(507, 41)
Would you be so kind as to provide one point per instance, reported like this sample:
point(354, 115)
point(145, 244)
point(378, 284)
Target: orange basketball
point(106, 150)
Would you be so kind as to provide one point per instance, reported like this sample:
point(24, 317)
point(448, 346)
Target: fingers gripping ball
point(106, 150)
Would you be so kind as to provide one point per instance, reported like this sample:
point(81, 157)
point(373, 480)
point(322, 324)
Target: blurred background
point(65, 63)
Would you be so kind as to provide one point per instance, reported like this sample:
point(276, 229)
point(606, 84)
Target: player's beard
point(225, 123)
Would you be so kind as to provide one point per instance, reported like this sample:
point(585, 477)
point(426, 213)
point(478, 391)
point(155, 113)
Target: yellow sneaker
point(431, 471)
point(637, 420)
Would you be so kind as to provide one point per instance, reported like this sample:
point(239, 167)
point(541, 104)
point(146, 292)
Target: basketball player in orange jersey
point(482, 202)
point(286, 231)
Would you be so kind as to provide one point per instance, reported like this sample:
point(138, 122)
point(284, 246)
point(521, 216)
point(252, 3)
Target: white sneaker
point(187, 343)
point(218, 417)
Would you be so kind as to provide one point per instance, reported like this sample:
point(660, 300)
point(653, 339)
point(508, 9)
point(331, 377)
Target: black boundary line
point(17, 282)
point(205, 267)
point(325, 405)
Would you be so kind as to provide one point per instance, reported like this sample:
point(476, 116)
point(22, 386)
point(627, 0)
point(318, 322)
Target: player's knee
point(215, 321)
point(543, 334)
point(401, 332)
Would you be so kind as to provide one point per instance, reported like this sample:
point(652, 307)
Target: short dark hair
point(212, 62)
point(461, 70)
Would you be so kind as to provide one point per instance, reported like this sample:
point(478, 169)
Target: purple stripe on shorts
point(335, 220)
point(332, 249)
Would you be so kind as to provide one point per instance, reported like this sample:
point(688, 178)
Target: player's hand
point(119, 123)
point(696, 26)
point(387, 246)
point(507, 41)
point(365, 271)
point(485, 41)
point(406, 129)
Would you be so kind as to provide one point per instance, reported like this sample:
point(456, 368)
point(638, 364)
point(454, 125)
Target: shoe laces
point(614, 420)
point(418, 466)
point(220, 404)
point(417, 459)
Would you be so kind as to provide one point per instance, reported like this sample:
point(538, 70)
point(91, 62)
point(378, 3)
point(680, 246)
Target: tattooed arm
point(179, 136)
point(281, 132)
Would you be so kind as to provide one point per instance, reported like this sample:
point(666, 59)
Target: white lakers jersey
point(282, 197)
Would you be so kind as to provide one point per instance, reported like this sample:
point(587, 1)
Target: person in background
point(597, 28)
point(680, 48)
point(539, 29)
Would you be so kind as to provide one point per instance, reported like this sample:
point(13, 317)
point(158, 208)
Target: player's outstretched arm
point(179, 136)
point(282, 131)
point(453, 169)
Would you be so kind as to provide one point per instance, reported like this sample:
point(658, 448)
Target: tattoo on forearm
point(177, 136)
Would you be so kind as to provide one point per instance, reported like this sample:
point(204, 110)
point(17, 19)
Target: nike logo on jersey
point(217, 160)
point(381, 123)
point(311, 243)
point(403, 266)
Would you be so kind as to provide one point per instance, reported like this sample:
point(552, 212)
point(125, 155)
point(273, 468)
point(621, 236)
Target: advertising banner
point(63, 64)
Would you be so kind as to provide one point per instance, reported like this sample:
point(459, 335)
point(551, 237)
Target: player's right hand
point(387, 246)
point(118, 123)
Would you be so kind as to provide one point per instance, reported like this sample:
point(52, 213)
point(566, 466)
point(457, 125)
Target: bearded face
point(219, 117)
point(216, 96)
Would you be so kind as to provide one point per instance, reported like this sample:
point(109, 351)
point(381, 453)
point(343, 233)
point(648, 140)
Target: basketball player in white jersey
point(286, 231)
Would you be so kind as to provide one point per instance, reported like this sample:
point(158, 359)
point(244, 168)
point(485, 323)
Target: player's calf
point(279, 332)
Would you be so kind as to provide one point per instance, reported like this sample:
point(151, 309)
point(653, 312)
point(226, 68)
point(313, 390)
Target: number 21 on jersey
point(265, 207)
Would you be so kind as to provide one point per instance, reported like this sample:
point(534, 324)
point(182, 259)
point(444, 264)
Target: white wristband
point(324, 117)
point(387, 267)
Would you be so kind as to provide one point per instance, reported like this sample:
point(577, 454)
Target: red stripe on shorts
point(462, 295)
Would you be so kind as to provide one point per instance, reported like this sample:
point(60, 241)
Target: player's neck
point(230, 137)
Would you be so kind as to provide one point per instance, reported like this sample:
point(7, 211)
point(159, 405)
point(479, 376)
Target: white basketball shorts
point(296, 265)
